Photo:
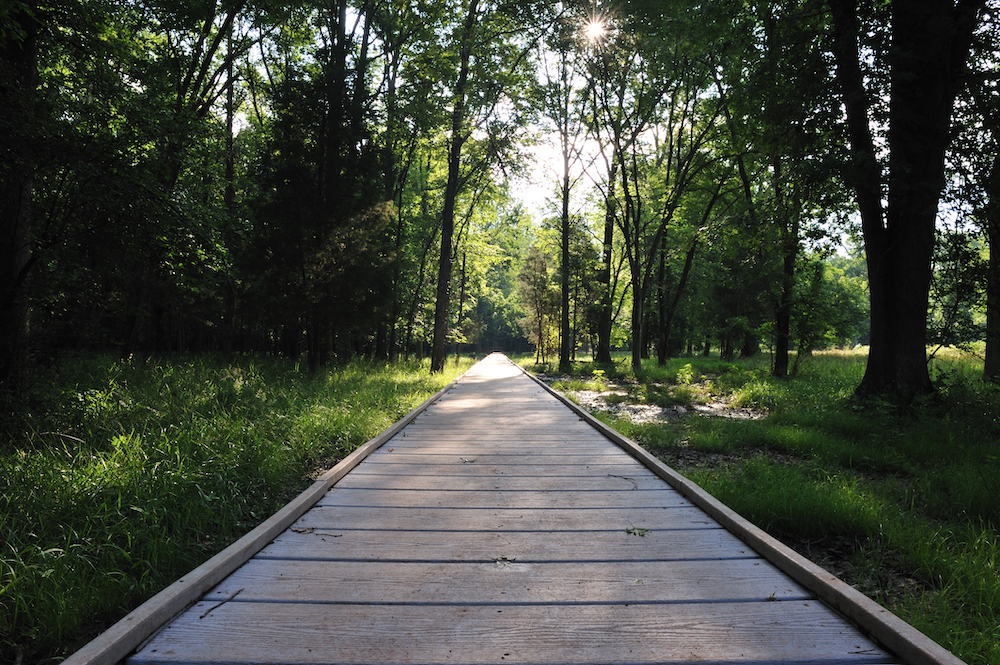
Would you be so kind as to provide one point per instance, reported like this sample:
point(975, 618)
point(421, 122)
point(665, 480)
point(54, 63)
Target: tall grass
point(124, 475)
point(908, 496)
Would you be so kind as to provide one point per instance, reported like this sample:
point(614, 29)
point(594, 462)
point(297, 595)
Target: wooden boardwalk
point(500, 526)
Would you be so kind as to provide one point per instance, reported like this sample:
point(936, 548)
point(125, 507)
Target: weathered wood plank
point(508, 582)
point(499, 526)
point(511, 470)
point(499, 480)
point(486, 546)
point(500, 499)
point(494, 518)
point(581, 633)
point(495, 457)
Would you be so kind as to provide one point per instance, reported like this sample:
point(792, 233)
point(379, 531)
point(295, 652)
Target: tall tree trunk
point(991, 367)
point(604, 321)
point(789, 244)
point(461, 307)
point(442, 307)
point(930, 46)
point(661, 309)
point(18, 83)
point(565, 339)
point(638, 302)
point(229, 291)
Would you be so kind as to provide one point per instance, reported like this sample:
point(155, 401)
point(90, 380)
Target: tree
point(563, 103)
point(927, 56)
point(489, 61)
point(538, 293)
point(18, 80)
point(659, 122)
point(974, 175)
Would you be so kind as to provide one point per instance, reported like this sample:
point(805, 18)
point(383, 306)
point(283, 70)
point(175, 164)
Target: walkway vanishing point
point(501, 525)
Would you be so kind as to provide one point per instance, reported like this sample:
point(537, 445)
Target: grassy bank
point(902, 503)
point(121, 476)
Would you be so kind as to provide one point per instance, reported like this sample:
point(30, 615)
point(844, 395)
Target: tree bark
point(930, 47)
point(442, 307)
point(18, 83)
point(604, 321)
point(991, 366)
point(565, 339)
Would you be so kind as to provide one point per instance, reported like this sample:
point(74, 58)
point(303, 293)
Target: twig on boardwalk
point(635, 484)
point(220, 604)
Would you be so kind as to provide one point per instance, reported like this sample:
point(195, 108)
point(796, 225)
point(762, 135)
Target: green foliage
point(130, 473)
point(957, 291)
point(537, 288)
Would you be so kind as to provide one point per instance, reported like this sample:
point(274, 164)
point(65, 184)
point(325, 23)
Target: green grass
point(906, 498)
point(124, 475)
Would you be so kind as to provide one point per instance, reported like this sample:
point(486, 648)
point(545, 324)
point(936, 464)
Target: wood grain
point(755, 633)
point(501, 526)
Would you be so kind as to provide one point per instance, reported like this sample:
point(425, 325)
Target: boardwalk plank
point(514, 499)
point(596, 633)
point(507, 582)
point(496, 519)
point(377, 544)
point(481, 534)
point(500, 481)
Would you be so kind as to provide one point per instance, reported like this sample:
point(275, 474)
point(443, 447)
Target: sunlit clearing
point(594, 30)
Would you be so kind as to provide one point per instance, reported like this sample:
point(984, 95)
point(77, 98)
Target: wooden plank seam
point(142, 623)
point(914, 647)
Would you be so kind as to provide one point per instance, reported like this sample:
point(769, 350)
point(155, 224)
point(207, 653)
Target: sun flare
point(595, 30)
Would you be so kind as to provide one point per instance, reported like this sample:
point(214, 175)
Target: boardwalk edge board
point(124, 637)
point(901, 638)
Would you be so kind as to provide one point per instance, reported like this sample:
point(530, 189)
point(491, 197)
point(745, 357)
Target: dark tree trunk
point(442, 307)
point(661, 309)
point(991, 367)
point(565, 339)
point(18, 82)
point(229, 291)
point(672, 309)
point(604, 320)
point(638, 300)
point(930, 46)
point(789, 248)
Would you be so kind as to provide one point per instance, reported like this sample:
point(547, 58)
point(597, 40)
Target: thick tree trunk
point(930, 47)
point(18, 82)
point(442, 307)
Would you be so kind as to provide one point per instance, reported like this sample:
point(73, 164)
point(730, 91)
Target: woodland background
point(331, 179)
point(235, 235)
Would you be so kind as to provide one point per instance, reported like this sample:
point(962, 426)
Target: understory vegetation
point(899, 502)
point(126, 474)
